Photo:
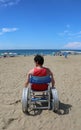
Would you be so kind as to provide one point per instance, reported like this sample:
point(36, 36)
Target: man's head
point(39, 59)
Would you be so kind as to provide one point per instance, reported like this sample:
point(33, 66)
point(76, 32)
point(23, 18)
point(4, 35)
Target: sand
point(67, 73)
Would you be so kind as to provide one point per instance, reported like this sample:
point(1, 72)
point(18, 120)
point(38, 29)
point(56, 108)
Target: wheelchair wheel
point(55, 100)
point(25, 100)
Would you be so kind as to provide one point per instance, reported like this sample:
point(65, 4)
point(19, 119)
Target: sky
point(40, 24)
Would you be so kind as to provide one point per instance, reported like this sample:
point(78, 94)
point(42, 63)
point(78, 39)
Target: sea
point(35, 51)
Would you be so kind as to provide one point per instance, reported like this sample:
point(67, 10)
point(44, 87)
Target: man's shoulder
point(31, 71)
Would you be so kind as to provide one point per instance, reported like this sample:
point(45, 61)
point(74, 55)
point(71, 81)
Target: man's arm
point(27, 78)
point(52, 77)
point(52, 80)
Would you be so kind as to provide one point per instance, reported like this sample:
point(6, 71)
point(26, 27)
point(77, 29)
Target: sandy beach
point(67, 73)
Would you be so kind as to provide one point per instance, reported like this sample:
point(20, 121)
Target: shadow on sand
point(34, 112)
point(63, 109)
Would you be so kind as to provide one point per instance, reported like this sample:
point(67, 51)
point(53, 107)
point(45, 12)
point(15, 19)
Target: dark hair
point(39, 59)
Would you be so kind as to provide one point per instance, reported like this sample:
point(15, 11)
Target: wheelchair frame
point(50, 97)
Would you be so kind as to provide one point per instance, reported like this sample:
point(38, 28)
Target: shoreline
point(24, 52)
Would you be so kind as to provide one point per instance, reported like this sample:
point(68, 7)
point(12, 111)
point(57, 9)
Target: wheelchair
point(47, 99)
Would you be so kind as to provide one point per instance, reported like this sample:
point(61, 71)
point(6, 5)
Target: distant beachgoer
point(39, 70)
point(65, 54)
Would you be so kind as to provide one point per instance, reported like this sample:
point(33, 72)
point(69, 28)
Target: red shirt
point(40, 72)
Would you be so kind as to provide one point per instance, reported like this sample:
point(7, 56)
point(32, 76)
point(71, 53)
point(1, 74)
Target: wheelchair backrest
point(40, 80)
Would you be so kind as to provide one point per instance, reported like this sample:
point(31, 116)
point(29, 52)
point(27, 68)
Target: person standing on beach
point(39, 70)
point(65, 54)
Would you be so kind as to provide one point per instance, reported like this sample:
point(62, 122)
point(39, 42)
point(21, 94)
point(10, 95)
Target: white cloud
point(65, 32)
point(8, 2)
point(73, 45)
point(9, 29)
point(70, 34)
point(6, 30)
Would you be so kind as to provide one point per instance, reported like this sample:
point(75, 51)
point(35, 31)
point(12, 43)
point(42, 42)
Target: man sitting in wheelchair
point(40, 71)
point(39, 78)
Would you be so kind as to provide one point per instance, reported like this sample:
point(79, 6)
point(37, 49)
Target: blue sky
point(40, 24)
